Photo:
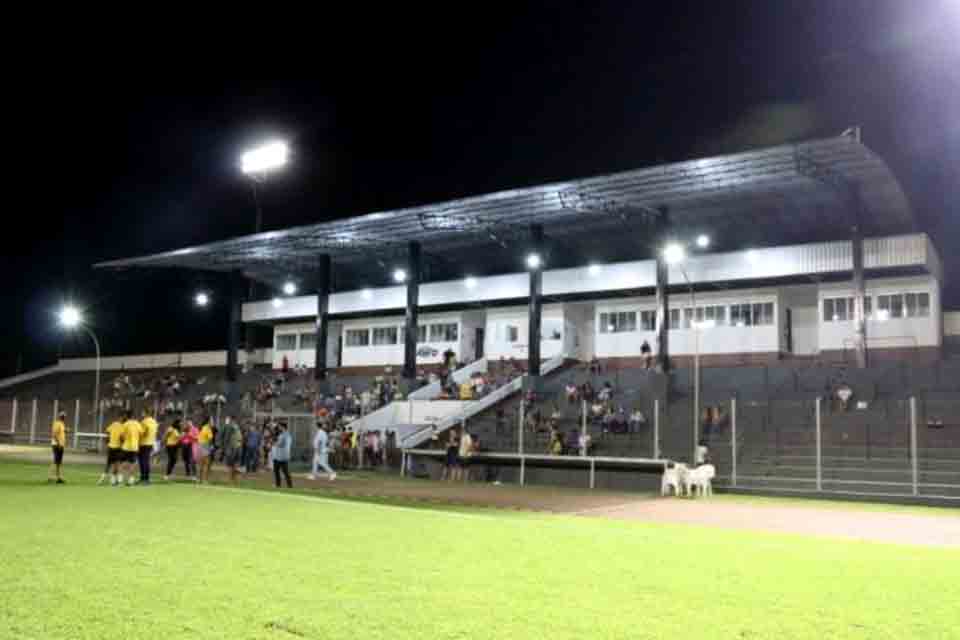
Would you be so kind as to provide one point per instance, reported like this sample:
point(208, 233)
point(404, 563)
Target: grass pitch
point(178, 561)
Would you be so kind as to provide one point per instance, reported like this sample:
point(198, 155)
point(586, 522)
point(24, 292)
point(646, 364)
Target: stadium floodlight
point(674, 253)
point(470, 282)
point(277, 303)
point(289, 287)
point(265, 158)
point(399, 275)
point(201, 299)
point(70, 317)
point(703, 241)
point(594, 269)
point(534, 260)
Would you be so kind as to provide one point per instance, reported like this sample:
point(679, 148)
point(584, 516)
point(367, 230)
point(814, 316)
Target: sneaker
point(166, 478)
point(61, 481)
point(333, 477)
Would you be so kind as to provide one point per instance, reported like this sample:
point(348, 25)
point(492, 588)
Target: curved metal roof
point(787, 193)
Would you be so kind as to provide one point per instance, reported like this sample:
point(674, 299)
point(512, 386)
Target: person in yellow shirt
point(115, 433)
point(58, 442)
point(132, 432)
point(205, 440)
point(147, 439)
point(171, 440)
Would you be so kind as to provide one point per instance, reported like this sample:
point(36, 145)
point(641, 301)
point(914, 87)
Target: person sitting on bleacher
point(571, 392)
point(637, 420)
point(606, 393)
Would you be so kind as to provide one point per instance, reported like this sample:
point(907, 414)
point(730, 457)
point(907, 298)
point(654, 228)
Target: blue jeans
point(320, 460)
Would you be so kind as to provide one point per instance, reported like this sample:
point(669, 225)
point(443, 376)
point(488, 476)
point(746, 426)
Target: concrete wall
point(498, 321)
point(892, 333)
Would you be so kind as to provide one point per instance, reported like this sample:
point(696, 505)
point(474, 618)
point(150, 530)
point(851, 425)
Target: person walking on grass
point(253, 449)
point(205, 442)
point(281, 455)
point(114, 453)
point(171, 440)
point(58, 442)
point(233, 448)
point(147, 441)
point(321, 454)
point(188, 445)
point(132, 433)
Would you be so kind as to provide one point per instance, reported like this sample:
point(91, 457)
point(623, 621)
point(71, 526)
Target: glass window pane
point(923, 305)
point(896, 306)
point(867, 306)
point(687, 318)
point(674, 318)
point(605, 323)
point(384, 335)
point(308, 341)
point(513, 333)
point(286, 342)
point(648, 321)
point(883, 302)
point(357, 337)
point(911, 304)
point(828, 310)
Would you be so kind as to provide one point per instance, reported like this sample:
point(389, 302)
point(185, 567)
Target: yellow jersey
point(58, 434)
point(132, 432)
point(115, 435)
point(171, 437)
point(206, 435)
point(149, 431)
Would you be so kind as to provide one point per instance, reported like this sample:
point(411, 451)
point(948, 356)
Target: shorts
point(114, 456)
point(203, 452)
point(128, 456)
point(232, 458)
point(57, 454)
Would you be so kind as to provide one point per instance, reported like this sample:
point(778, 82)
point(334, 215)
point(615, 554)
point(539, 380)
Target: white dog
point(676, 477)
point(700, 479)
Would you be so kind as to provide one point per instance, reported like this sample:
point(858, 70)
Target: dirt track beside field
point(835, 520)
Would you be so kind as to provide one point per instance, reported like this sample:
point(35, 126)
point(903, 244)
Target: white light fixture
point(470, 282)
point(70, 317)
point(277, 303)
point(201, 299)
point(272, 155)
point(400, 275)
point(703, 241)
point(594, 269)
point(366, 294)
point(289, 287)
point(674, 253)
point(534, 261)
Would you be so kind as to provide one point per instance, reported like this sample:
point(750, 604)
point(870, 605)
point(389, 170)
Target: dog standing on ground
point(677, 478)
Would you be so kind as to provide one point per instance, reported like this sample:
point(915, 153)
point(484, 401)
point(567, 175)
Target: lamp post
point(676, 255)
point(71, 318)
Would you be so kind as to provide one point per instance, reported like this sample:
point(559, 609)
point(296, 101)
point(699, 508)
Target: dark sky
point(126, 137)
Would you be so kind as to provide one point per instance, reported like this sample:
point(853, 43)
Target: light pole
point(676, 255)
point(257, 164)
point(71, 318)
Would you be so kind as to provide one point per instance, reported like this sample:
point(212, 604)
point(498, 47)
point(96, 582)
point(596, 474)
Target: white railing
point(475, 407)
point(461, 375)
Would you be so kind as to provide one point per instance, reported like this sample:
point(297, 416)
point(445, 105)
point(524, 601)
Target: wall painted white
point(890, 333)
point(429, 352)
point(951, 323)
point(801, 301)
point(772, 262)
point(303, 354)
point(499, 322)
point(719, 339)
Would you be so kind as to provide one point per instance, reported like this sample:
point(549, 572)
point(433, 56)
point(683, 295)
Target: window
point(648, 320)
point(421, 333)
point(357, 337)
point(512, 333)
point(384, 335)
point(286, 342)
point(716, 314)
point(923, 305)
point(741, 315)
point(896, 306)
point(308, 341)
point(618, 322)
point(446, 332)
point(687, 318)
point(674, 318)
point(552, 330)
point(763, 313)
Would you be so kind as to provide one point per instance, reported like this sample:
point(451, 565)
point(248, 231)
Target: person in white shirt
point(703, 454)
point(320, 454)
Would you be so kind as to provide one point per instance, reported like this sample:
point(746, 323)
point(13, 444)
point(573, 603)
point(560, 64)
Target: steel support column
point(324, 277)
point(662, 297)
point(536, 305)
point(859, 282)
point(412, 317)
point(235, 324)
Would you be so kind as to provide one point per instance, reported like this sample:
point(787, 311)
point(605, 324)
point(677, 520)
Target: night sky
point(126, 141)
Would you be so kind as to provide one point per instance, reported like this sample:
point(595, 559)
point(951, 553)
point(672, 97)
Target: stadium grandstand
point(588, 332)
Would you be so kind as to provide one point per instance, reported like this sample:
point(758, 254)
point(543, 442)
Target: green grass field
point(178, 561)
